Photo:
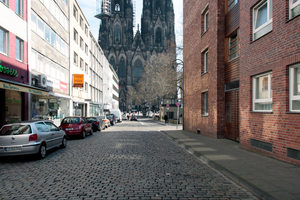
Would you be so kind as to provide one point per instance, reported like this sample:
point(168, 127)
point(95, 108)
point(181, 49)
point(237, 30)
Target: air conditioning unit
point(42, 81)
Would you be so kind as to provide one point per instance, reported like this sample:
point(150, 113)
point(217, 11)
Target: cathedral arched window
point(158, 6)
point(137, 71)
point(158, 37)
point(122, 71)
point(117, 7)
point(117, 34)
point(112, 62)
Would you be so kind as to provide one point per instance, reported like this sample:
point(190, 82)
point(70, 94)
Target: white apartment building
point(48, 52)
point(110, 87)
point(79, 61)
point(96, 77)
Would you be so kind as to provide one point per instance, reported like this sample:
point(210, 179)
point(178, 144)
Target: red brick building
point(270, 78)
point(242, 73)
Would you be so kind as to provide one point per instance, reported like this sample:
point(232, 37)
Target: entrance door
point(232, 115)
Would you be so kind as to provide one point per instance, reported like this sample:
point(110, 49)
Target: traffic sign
point(168, 106)
point(178, 104)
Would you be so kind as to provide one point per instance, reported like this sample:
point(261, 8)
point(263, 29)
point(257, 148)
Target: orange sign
point(78, 80)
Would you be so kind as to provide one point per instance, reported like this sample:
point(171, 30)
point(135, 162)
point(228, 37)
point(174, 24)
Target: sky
point(88, 7)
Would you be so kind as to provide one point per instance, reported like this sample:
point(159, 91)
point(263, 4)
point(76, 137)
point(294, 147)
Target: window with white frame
point(19, 7)
point(205, 103)
point(86, 87)
point(81, 43)
point(262, 19)
point(262, 92)
point(81, 64)
point(81, 22)
point(75, 12)
point(206, 21)
point(294, 88)
point(294, 8)
point(205, 63)
point(75, 36)
point(19, 49)
point(3, 41)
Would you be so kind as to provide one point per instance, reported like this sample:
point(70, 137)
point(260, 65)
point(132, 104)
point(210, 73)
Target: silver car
point(31, 137)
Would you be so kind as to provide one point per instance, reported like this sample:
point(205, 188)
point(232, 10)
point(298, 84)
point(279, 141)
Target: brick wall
point(196, 82)
point(274, 52)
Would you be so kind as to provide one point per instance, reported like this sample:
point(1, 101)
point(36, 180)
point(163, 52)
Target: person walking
point(166, 118)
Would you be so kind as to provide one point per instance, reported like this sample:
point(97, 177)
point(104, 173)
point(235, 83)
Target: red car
point(76, 126)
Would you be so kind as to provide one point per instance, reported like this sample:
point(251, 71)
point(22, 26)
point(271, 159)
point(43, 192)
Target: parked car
point(117, 113)
point(76, 126)
point(97, 123)
point(133, 117)
point(105, 121)
point(112, 118)
point(124, 116)
point(30, 137)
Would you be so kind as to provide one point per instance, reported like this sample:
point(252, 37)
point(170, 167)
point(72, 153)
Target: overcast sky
point(88, 7)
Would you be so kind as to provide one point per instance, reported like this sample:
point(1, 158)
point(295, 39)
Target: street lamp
point(180, 62)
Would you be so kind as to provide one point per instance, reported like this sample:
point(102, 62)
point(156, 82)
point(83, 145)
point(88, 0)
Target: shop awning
point(21, 88)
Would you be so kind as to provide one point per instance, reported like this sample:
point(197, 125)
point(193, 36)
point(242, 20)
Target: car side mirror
point(60, 128)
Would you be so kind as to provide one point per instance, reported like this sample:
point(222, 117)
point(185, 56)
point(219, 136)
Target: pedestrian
point(127, 116)
point(166, 118)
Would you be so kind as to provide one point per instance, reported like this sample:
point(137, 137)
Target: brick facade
point(196, 83)
point(231, 113)
point(273, 52)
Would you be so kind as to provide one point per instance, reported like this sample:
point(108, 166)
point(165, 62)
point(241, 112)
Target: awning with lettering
point(19, 88)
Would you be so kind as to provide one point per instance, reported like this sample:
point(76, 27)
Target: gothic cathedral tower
point(128, 52)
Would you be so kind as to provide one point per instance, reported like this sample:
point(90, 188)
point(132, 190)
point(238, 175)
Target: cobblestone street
point(116, 164)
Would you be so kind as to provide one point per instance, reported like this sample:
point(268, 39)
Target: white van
point(117, 113)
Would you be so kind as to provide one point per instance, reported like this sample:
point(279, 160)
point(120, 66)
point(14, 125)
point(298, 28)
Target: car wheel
point(42, 152)
point(83, 134)
point(92, 132)
point(64, 143)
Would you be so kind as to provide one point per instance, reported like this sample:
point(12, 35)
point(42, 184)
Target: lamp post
point(180, 62)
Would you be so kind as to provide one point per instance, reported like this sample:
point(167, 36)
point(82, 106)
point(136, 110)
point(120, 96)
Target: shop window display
point(13, 106)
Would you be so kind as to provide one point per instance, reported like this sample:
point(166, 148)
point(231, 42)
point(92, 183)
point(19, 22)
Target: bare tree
point(159, 81)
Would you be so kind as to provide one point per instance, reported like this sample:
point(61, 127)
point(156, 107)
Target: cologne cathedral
point(127, 51)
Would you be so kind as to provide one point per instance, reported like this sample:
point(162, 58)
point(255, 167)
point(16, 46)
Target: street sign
point(178, 104)
point(168, 106)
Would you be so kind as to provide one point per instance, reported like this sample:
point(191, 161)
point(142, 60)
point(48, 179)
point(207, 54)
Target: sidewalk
point(266, 177)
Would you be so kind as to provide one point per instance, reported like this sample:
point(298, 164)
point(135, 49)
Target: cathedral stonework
point(128, 52)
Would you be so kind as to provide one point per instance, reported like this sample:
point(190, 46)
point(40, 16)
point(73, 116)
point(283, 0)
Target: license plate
point(69, 129)
point(10, 149)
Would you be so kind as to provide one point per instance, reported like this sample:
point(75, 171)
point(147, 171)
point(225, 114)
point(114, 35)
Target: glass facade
point(94, 110)
point(49, 108)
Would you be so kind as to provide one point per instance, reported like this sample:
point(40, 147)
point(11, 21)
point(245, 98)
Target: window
point(231, 3)
point(262, 19)
point(233, 45)
point(75, 37)
point(122, 71)
point(5, 1)
point(47, 33)
point(205, 61)
point(86, 68)
point(295, 88)
point(205, 21)
point(137, 71)
point(86, 30)
point(81, 64)
point(262, 92)
point(53, 35)
point(81, 43)
point(19, 7)
point(3, 41)
point(205, 103)
point(75, 59)
point(86, 87)
point(75, 12)
point(19, 49)
point(86, 49)
point(81, 22)
point(294, 8)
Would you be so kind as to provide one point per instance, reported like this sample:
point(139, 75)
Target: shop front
point(53, 107)
point(95, 109)
point(14, 101)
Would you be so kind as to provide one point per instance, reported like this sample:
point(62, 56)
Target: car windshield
point(15, 129)
point(93, 119)
point(102, 117)
point(71, 120)
point(109, 115)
